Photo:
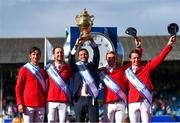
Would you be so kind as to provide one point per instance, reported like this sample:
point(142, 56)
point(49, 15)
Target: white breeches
point(56, 112)
point(114, 112)
point(140, 110)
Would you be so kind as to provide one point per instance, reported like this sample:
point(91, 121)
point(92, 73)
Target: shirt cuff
point(73, 51)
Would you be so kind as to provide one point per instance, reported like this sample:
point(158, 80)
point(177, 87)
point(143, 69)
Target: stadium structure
point(166, 79)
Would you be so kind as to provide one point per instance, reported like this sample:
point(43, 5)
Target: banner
point(48, 54)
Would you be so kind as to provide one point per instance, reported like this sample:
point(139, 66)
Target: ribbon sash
point(87, 78)
point(139, 85)
point(37, 74)
point(113, 86)
point(58, 79)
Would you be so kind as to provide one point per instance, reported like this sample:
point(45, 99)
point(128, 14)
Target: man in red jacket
point(58, 92)
point(140, 87)
point(30, 89)
point(115, 90)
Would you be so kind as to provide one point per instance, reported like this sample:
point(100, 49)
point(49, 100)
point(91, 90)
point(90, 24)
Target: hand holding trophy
point(84, 21)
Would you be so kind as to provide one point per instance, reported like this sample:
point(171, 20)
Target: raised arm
point(138, 45)
point(72, 60)
point(96, 54)
point(159, 59)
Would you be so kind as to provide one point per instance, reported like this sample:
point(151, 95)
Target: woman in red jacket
point(140, 86)
point(30, 89)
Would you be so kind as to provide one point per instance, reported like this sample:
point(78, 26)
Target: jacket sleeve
point(96, 57)
point(140, 50)
point(21, 79)
point(154, 63)
point(72, 63)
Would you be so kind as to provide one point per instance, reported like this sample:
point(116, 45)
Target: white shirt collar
point(134, 68)
point(57, 65)
point(35, 65)
point(110, 68)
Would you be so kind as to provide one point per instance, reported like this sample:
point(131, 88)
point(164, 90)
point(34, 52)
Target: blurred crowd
point(162, 105)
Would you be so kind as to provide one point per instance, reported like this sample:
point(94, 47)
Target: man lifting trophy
point(85, 90)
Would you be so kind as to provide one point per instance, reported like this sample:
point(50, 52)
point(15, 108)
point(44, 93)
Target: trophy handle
point(92, 18)
point(77, 18)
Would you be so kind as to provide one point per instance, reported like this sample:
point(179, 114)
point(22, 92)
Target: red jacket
point(144, 74)
point(118, 77)
point(55, 94)
point(28, 91)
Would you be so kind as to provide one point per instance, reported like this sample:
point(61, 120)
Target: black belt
point(85, 97)
point(89, 99)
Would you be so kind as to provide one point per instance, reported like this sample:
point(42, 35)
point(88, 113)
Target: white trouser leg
point(114, 112)
point(120, 112)
point(134, 113)
point(53, 109)
point(33, 114)
point(108, 114)
point(62, 112)
point(145, 110)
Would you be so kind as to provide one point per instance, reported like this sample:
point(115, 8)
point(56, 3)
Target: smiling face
point(58, 55)
point(35, 57)
point(83, 55)
point(135, 59)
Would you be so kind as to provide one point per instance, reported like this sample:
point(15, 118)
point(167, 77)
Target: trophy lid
point(84, 12)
